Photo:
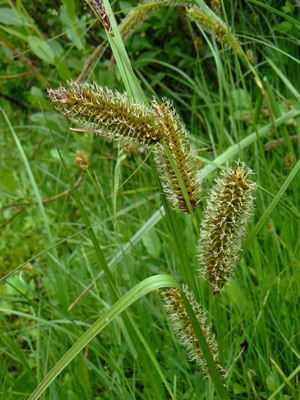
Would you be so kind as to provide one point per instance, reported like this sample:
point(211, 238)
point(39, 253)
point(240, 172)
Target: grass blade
point(271, 207)
point(140, 290)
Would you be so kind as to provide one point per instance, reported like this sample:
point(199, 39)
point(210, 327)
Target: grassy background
point(222, 105)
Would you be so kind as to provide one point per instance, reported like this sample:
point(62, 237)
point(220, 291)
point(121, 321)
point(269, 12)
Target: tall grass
point(114, 238)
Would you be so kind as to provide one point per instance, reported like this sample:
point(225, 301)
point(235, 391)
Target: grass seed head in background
point(176, 137)
point(175, 307)
point(215, 5)
point(107, 112)
point(223, 225)
point(136, 17)
point(82, 160)
point(213, 25)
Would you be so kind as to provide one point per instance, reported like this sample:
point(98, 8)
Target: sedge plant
point(158, 128)
point(115, 116)
point(155, 126)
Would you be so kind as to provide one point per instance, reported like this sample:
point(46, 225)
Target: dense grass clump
point(98, 261)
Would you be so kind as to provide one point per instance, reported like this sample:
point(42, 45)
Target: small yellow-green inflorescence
point(109, 113)
point(175, 307)
point(224, 223)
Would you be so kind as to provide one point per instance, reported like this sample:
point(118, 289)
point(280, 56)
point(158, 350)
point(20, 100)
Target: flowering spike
point(99, 9)
point(175, 307)
point(223, 225)
point(214, 26)
point(176, 137)
point(110, 113)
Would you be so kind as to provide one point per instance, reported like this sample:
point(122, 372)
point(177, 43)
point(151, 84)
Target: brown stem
point(12, 218)
point(15, 76)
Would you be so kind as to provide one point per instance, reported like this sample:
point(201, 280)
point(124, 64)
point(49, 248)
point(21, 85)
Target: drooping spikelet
point(213, 25)
point(175, 307)
point(108, 112)
point(176, 137)
point(224, 223)
point(135, 18)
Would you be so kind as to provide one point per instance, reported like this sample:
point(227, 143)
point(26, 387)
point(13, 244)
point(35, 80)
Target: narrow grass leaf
point(271, 207)
point(274, 10)
point(279, 389)
point(140, 290)
point(236, 148)
point(30, 175)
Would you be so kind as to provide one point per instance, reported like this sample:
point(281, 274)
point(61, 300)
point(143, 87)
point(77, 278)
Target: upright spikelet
point(182, 325)
point(176, 137)
point(108, 112)
point(224, 223)
point(214, 26)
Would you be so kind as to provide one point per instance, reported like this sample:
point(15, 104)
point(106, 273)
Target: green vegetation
point(89, 241)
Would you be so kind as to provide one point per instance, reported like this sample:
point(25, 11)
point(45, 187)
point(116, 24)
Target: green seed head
point(175, 307)
point(109, 113)
point(176, 137)
point(135, 18)
point(213, 25)
point(224, 223)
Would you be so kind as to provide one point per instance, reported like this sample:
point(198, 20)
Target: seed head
point(111, 114)
point(98, 7)
point(176, 137)
point(214, 26)
point(82, 160)
point(175, 307)
point(224, 223)
point(215, 5)
point(135, 18)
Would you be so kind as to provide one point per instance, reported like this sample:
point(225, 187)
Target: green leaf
point(239, 98)
point(152, 243)
point(41, 49)
point(62, 68)
point(9, 16)
point(71, 27)
point(37, 98)
point(70, 7)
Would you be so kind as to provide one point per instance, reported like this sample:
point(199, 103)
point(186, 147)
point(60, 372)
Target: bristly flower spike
point(224, 223)
point(176, 137)
point(175, 307)
point(111, 114)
